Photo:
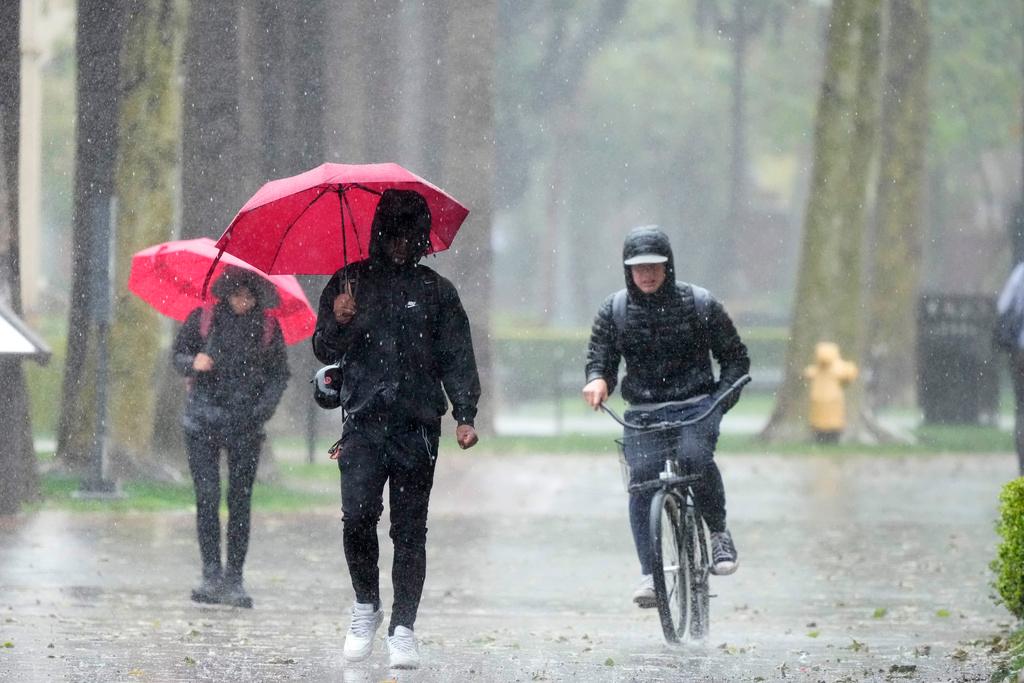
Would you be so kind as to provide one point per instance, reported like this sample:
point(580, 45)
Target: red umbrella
point(170, 276)
point(319, 221)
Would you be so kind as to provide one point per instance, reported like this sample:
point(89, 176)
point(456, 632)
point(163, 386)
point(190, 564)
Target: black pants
point(694, 448)
point(204, 461)
point(1017, 373)
point(375, 451)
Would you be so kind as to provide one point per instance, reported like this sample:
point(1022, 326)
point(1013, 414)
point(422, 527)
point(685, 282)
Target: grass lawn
point(141, 496)
point(301, 486)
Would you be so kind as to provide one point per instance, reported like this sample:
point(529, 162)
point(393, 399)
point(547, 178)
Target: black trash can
point(957, 379)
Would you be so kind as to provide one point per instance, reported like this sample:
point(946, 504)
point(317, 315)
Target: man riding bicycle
point(667, 332)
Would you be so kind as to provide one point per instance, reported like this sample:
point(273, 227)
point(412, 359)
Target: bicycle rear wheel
point(695, 549)
point(669, 565)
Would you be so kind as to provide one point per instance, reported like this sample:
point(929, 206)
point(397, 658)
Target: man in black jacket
point(401, 338)
point(667, 332)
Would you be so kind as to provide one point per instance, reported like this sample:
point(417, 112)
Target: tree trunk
point(739, 199)
point(832, 225)
point(850, 281)
point(212, 189)
point(150, 130)
point(99, 33)
point(20, 481)
point(897, 243)
point(213, 165)
point(10, 106)
point(469, 170)
point(343, 85)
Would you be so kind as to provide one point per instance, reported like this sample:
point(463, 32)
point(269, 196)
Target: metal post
point(310, 432)
point(101, 270)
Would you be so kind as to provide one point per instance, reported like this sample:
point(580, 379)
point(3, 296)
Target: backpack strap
point(702, 303)
point(619, 301)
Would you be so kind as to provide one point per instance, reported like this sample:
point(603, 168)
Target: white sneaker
point(403, 649)
point(361, 630)
point(644, 596)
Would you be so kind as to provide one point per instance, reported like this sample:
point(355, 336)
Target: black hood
point(234, 277)
point(648, 239)
point(400, 213)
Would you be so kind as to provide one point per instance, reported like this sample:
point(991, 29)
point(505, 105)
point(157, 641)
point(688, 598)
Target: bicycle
point(679, 536)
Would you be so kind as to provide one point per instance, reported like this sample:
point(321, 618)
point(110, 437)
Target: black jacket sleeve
point(187, 344)
point(331, 339)
point(603, 353)
point(275, 374)
point(728, 349)
point(455, 356)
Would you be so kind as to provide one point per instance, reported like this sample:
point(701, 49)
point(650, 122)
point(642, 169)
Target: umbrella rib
point(280, 244)
point(355, 232)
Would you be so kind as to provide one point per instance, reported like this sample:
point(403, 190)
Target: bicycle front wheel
point(669, 564)
point(695, 550)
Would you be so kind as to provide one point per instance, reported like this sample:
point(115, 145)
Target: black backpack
point(701, 301)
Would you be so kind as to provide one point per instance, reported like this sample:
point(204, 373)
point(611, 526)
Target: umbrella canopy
point(170, 276)
point(319, 221)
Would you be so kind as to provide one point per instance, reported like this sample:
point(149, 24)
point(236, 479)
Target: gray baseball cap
point(641, 259)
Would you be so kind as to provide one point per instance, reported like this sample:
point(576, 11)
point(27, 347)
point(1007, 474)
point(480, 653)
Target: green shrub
point(547, 362)
point(1009, 563)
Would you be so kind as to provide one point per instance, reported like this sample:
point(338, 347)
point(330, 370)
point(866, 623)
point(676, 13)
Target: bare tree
point(99, 33)
point(214, 167)
point(20, 480)
point(896, 250)
point(741, 25)
point(211, 184)
point(828, 283)
point(468, 165)
point(146, 177)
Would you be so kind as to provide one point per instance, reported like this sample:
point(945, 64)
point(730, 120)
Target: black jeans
point(1017, 374)
point(403, 453)
point(204, 461)
point(694, 447)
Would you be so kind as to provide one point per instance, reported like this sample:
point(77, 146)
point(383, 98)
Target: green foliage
point(1009, 563)
point(538, 363)
point(44, 381)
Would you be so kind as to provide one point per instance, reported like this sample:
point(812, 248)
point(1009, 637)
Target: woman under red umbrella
point(232, 353)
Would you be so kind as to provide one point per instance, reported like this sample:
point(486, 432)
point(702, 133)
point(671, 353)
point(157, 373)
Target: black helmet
point(327, 387)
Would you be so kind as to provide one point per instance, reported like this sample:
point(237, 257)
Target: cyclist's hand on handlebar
point(595, 393)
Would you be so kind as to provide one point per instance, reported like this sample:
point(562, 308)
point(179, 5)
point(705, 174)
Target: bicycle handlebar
point(735, 386)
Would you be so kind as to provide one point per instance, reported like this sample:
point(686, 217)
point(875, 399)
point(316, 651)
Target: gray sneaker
point(724, 560)
point(361, 631)
point(402, 649)
point(644, 596)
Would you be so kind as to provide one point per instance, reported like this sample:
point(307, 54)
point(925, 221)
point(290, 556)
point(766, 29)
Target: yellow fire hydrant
point(828, 377)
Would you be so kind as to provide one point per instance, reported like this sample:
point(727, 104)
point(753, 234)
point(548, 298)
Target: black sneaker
point(233, 593)
point(209, 589)
point(723, 553)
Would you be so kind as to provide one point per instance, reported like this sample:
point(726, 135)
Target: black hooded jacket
point(250, 367)
point(667, 350)
point(409, 343)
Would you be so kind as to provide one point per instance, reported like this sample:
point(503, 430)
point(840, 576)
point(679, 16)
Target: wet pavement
point(859, 568)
